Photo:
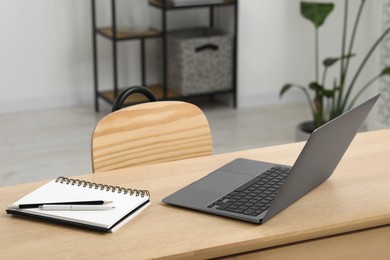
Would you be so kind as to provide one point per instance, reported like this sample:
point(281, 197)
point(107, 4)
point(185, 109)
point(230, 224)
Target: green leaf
point(285, 88)
point(330, 61)
point(329, 93)
point(385, 71)
point(315, 86)
point(316, 12)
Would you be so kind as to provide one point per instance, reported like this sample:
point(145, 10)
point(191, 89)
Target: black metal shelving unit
point(161, 91)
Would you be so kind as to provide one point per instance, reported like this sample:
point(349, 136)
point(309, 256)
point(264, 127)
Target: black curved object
point(208, 46)
point(120, 99)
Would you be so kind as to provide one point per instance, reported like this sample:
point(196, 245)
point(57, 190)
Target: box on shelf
point(194, 2)
point(199, 61)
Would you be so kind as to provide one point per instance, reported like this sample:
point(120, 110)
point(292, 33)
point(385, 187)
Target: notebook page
point(61, 192)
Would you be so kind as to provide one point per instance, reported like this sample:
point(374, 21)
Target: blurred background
point(47, 97)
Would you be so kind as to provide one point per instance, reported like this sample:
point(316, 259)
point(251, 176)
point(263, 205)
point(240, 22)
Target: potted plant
point(328, 103)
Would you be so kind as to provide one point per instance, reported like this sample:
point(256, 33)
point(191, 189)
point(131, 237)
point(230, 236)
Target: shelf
point(159, 4)
point(162, 92)
point(156, 89)
point(108, 33)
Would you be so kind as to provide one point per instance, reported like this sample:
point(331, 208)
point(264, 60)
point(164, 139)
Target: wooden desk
point(347, 216)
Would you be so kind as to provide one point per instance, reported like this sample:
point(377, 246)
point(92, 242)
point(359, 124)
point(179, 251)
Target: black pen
point(37, 205)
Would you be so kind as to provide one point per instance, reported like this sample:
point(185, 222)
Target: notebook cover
point(72, 223)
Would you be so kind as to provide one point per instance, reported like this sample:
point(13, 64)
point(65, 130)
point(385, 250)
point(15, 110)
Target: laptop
point(255, 191)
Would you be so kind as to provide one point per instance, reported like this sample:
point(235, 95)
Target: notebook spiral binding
point(91, 185)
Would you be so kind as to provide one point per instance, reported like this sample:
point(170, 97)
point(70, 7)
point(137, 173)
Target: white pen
point(75, 207)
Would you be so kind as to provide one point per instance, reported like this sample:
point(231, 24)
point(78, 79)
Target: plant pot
point(304, 130)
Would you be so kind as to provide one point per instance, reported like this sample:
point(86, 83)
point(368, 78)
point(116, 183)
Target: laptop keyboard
point(255, 196)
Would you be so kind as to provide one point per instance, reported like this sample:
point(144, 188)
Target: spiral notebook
point(127, 202)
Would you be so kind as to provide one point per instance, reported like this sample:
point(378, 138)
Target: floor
point(41, 145)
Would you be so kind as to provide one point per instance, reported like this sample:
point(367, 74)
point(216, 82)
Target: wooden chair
point(149, 133)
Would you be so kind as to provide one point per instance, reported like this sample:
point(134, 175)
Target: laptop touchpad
point(221, 181)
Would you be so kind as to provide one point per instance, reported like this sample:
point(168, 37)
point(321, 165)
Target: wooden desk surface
point(356, 197)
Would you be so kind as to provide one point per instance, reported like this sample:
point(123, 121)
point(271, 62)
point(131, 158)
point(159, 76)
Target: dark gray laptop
point(255, 191)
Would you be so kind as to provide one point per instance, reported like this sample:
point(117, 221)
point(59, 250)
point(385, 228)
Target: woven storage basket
point(199, 61)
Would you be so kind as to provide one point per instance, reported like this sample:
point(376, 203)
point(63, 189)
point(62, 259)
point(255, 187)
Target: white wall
point(46, 51)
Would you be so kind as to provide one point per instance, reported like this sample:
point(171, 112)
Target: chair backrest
point(150, 133)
